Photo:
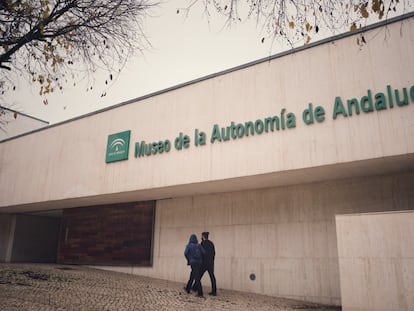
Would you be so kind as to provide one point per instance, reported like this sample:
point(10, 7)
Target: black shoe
point(212, 294)
point(187, 291)
point(200, 296)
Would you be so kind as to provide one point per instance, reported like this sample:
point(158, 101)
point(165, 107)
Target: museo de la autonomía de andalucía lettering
point(342, 108)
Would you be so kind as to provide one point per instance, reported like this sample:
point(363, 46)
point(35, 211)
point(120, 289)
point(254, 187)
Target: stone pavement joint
point(63, 287)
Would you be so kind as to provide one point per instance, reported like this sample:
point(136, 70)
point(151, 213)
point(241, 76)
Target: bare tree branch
point(298, 21)
point(51, 40)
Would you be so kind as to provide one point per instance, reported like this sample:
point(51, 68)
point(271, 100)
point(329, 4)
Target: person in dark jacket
point(194, 253)
point(208, 261)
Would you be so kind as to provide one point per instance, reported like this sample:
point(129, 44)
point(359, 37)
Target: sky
point(184, 48)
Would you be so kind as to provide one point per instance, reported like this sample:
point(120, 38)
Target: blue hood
point(193, 239)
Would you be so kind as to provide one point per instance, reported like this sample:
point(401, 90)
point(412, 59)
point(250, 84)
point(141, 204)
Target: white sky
point(183, 49)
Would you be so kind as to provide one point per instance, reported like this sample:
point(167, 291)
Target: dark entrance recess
point(35, 239)
point(116, 234)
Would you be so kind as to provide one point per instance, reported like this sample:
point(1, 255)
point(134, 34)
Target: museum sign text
point(342, 108)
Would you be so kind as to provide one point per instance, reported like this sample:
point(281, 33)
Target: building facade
point(14, 123)
point(263, 157)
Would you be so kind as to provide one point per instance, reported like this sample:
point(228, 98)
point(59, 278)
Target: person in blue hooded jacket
point(194, 253)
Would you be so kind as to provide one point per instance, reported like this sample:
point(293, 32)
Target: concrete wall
point(376, 261)
point(286, 236)
point(67, 162)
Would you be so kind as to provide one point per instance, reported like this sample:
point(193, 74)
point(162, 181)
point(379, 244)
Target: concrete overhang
point(357, 169)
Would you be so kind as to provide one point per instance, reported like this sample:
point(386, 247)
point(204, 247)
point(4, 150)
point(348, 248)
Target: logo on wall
point(117, 148)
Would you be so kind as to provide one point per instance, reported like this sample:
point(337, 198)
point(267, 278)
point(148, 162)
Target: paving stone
point(63, 287)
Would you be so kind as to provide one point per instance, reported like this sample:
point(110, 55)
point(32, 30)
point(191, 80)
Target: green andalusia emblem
point(117, 148)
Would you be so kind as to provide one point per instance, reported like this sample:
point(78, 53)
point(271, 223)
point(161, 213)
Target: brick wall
point(113, 234)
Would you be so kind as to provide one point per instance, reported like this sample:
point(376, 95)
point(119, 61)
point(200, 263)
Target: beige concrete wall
point(286, 236)
point(67, 162)
point(376, 261)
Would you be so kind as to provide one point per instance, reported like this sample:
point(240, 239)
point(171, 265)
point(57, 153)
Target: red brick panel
point(116, 234)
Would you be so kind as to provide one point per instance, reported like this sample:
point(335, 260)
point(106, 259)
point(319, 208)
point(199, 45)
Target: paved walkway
point(62, 287)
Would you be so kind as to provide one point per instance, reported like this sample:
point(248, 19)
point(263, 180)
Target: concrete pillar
point(7, 228)
point(376, 262)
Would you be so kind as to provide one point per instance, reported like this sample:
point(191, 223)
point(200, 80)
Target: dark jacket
point(194, 252)
point(210, 252)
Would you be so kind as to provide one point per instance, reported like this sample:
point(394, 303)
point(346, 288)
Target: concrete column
point(376, 262)
point(7, 228)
